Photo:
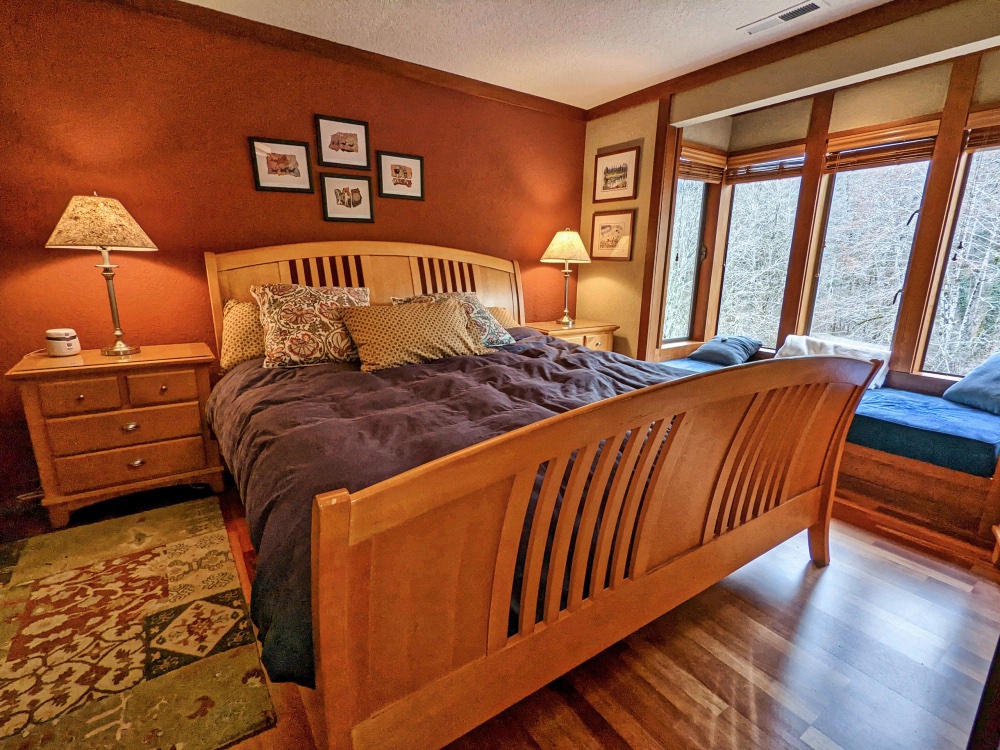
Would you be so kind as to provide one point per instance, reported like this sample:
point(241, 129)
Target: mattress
point(928, 428)
point(288, 435)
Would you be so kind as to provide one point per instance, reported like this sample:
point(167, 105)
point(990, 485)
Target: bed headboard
point(388, 269)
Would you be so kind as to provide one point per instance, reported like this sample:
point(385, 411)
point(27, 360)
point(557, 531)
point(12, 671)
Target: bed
point(463, 532)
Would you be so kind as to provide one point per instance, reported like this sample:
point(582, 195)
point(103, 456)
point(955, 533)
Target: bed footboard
point(446, 594)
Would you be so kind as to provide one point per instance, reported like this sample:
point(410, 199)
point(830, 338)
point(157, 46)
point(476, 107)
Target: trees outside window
point(685, 245)
point(760, 239)
point(966, 328)
point(869, 235)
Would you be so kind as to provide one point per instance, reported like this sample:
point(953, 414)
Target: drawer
point(162, 387)
point(91, 471)
point(79, 396)
point(571, 339)
point(602, 341)
point(98, 432)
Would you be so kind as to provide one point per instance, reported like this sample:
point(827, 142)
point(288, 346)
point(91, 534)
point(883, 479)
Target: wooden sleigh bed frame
point(412, 578)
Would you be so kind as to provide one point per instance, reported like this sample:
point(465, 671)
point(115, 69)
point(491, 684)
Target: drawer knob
point(137, 463)
point(81, 397)
point(163, 389)
point(130, 427)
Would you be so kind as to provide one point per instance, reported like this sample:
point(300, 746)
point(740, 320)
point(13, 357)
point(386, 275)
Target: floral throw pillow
point(490, 331)
point(304, 325)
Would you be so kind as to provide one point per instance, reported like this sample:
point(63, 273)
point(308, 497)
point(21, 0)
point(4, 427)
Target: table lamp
point(91, 222)
point(566, 247)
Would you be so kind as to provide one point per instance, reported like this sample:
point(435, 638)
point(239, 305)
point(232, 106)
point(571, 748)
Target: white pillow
point(804, 346)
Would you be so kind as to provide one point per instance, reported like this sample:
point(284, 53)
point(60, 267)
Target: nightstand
point(589, 333)
point(107, 426)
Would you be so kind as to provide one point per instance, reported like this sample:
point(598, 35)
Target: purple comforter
point(288, 435)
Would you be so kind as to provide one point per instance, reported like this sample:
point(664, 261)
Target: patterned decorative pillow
point(395, 335)
point(503, 317)
point(491, 333)
point(242, 334)
point(303, 325)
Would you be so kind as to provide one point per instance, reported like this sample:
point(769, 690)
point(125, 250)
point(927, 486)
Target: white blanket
point(804, 346)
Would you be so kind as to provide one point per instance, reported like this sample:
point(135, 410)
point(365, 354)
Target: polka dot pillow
point(304, 325)
point(491, 332)
point(242, 334)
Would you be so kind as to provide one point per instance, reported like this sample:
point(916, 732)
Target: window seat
point(928, 428)
point(695, 365)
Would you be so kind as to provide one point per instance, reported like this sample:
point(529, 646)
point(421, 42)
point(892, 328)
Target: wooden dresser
point(590, 333)
point(107, 426)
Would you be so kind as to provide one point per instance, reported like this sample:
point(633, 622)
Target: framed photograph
point(611, 235)
point(615, 175)
point(347, 197)
point(342, 142)
point(280, 165)
point(400, 176)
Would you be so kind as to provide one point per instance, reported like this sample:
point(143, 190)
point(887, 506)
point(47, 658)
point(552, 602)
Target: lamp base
point(566, 321)
point(120, 349)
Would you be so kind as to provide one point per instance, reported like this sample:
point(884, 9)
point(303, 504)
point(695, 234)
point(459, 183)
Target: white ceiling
point(580, 52)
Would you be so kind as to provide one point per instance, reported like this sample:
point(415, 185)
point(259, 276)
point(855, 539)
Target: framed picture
point(400, 176)
point(615, 175)
point(347, 197)
point(611, 235)
point(342, 142)
point(280, 165)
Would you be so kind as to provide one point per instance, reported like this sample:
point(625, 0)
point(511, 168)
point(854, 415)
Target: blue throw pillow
point(980, 389)
point(727, 350)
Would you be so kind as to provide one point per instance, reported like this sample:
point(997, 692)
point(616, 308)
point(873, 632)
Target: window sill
point(675, 350)
point(930, 383)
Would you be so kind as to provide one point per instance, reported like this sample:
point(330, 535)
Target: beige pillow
point(490, 332)
point(303, 324)
point(242, 334)
point(503, 317)
point(395, 335)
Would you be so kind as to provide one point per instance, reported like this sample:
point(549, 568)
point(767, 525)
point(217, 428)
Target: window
point(685, 246)
point(966, 328)
point(760, 239)
point(869, 235)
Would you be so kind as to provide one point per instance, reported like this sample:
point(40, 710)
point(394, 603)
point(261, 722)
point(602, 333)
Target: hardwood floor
point(886, 649)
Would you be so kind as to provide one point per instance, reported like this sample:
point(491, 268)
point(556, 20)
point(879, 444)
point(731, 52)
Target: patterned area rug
point(130, 633)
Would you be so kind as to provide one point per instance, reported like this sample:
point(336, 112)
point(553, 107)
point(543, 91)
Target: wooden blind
point(700, 164)
point(773, 163)
point(984, 130)
point(873, 148)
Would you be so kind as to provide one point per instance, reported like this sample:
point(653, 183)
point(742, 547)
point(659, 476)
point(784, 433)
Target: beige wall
point(765, 127)
point(714, 133)
point(920, 92)
point(611, 291)
point(947, 32)
point(988, 85)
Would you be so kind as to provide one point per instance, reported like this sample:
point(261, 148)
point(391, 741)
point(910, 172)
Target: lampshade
point(92, 222)
point(566, 247)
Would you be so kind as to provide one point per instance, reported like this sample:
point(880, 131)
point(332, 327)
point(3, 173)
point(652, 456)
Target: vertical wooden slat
point(285, 272)
point(793, 443)
point(466, 277)
point(930, 249)
point(314, 272)
point(650, 451)
point(612, 509)
point(445, 271)
point(300, 272)
point(326, 271)
point(591, 507)
point(804, 428)
point(568, 512)
point(503, 576)
point(534, 559)
point(797, 283)
point(428, 276)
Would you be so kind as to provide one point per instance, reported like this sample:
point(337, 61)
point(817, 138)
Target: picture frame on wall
point(280, 165)
point(342, 142)
point(347, 197)
point(616, 175)
point(612, 235)
point(400, 176)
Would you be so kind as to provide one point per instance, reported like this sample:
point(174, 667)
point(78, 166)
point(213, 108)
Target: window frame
point(703, 251)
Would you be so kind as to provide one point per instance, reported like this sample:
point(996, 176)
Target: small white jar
point(61, 342)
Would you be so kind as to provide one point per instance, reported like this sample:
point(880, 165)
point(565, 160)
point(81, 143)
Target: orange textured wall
point(156, 112)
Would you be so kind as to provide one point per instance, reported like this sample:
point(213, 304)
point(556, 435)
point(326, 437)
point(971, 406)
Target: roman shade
point(983, 130)
point(698, 163)
point(771, 163)
point(875, 148)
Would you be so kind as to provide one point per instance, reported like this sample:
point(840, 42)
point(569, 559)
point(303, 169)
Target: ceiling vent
point(785, 16)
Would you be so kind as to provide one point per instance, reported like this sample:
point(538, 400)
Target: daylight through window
point(966, 327)
point(869, 235)
point(760, 239)
point(685, 245)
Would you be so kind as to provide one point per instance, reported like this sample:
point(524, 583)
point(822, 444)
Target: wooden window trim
point(929, 253)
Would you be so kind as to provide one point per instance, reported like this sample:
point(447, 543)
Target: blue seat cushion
point(693, 366)
point(928, 428)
